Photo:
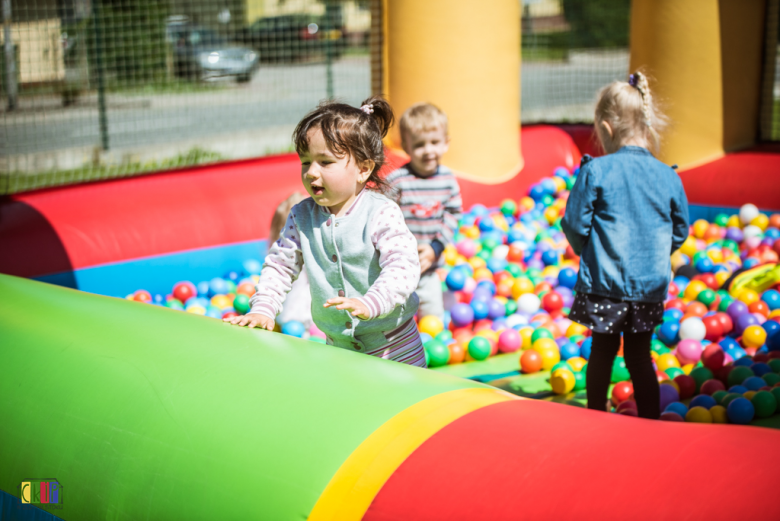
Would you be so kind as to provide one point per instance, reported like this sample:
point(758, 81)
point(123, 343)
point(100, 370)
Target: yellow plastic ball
point(489, 334)
point(500, 221)
point(689, 247)
point(775, 313)
point(687, 368)
point(522, 286)
point(472, 232)
point(575, 329)
point(196, 310)
point(476, 263)
point(550, 214)
point(698, 415)
point(654, 356)
point(221, 301)
point(544, 343)
point(526, 203)
point(451, 257)
point(718, 413)
point(749, 394)
point(666, 361)
point(715, 255)
point(481, 274)
point(761, 220)
point(693, 289)
point(525, 335)
point(431, 325)
point(550, 357)
point(721, 277)
point(576, 363)
point(562, 381)
point(700, 228)
point(560, 184)
point(748, 296)
point(754, 336)
point(734, 222)
point(677, 260)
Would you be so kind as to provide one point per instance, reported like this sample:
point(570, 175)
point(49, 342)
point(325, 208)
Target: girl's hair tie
point(633, 80)
point(368, 109)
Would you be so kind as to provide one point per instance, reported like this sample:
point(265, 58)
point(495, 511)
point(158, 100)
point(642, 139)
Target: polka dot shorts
point(609, 315)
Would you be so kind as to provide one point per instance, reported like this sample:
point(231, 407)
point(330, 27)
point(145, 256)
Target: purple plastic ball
point(736, 309)
point(668, 394)
point(743, 321)
point(734, 234)
point(462, 314)
point(496, 309)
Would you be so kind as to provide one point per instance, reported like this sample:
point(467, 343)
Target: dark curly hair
point(351, 131)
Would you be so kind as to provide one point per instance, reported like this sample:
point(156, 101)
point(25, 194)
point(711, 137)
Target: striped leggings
point(403, 345)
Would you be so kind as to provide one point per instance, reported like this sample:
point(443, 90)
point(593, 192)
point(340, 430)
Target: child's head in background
point(424, 137)
point(341, 150)
point(626, 114)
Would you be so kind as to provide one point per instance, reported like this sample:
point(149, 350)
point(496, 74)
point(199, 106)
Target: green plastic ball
point(570, 182)
point(514, 269)
point(174, 304)
point(776, 392)
point(619, 370)
point(511, 307)
point(739, 374)
point(438, 353)
point(483, 254)
point(658, 347)
point(671, 372)
point(771, 379)
point(317, 340)
point(719, 395)
point(444, 337)
point(765, 404)
point(721, 219)
point(730, 398)
point(540, 332)
point(579, 380)
point(241, 304)
point(547, 200)
point(489, 244)
point(731, 245)
point(479, 348)
point(725, 302)
point(534, 273)
point(706, 297)
point(561, 365)
point(576, 339)
point(774, 364)
point(698, 256)
point(508, 207)
point(701, 375)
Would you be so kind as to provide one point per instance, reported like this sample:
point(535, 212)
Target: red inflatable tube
point(536, 460)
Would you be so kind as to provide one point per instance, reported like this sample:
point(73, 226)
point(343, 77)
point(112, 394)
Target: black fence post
point(102, 119)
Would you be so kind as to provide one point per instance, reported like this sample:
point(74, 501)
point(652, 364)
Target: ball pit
point(509, 280)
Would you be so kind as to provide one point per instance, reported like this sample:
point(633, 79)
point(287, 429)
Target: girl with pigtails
point(626, 214)
point(359, 255)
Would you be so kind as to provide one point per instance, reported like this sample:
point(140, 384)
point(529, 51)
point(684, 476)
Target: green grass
point(16, 182)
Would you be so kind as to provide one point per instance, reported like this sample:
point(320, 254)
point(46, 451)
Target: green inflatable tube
point(142, 412)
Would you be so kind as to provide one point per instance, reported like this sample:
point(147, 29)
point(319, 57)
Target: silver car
point(200, 53)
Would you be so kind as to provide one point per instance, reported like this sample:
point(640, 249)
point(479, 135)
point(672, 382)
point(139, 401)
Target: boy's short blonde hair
point(421, 117)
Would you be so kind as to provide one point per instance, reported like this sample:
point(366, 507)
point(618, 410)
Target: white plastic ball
point(752, 230)
point(693, 328)
point(747, 213)
point(528, 303)
point(516, 320)
point(500, 251)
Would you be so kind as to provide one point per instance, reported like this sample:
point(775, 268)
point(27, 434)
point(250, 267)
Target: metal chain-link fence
point(94, 89)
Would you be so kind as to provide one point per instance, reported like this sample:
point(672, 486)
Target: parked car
point(201, 53)
point(294, 37)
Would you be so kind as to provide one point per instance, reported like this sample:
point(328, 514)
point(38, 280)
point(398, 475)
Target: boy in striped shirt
point(429, 196)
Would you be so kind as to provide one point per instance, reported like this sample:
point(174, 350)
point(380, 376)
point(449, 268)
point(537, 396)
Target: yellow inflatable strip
point(359, 479)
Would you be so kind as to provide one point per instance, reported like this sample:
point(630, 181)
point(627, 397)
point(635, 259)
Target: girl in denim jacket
point(625, 215)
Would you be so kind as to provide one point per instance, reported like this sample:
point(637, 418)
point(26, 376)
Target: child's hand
point(355, 306)
point(427, 256)
point(252, 320)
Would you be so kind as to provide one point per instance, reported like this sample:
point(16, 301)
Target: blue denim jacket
point(625, 215)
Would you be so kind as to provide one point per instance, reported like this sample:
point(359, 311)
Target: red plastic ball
point(722, 374)
point(142, 296)
point(725, 322)
point(676, 303)
point(713, 327)
point(622, 391)
point(712, 357)
point(686, 384)
point(552, 301)
point(710, 280)
point(759, 306)
point(710, 386)
point(183, 291)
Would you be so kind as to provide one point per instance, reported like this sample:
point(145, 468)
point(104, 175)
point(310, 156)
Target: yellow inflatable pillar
point(465, 58)
point(704, 61)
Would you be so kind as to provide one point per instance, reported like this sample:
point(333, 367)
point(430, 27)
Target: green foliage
point(597, 23)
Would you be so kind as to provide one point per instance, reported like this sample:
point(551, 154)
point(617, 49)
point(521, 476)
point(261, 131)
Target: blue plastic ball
point(728, 343)
point(425, 338)
point(548, 186)
point(669, 333)
point(569, 350)
point(213, 312)
point(704, 265)
point(293, 328)
point(253, 266)
point(673, 314)
point(217, 286)
point(456, 279)
point(754, 383)
point(760, 368)
point(202, 287)
point(677, 407)
point(740, 411)
point(495, 265)
point(736, 353)
point(738, 389)
point(481, 309)
point(486, 224)
point(703, 400)
point(586, 347)
point(561, 172)
point(550, 257)
point(488, 285)
point(772, 299)
point(770, 326)
point(537, 192)
point(681, 282)
point(567, 278)
point(479, 210)
point(744, 361)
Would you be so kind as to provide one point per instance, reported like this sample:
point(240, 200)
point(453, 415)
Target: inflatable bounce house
point(117, 409)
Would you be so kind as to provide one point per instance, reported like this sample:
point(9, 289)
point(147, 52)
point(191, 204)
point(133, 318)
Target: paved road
point(277, 95)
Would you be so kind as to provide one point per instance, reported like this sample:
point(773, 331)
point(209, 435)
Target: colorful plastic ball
point(740, 411)
point(183, 291)
point(174, 304)
point(241, 304)
point(550, 357)
point(293, 328)
point(253, 266)
point(480, 309)
point(621, 392)
point(627, 408)
point(562, 381)
point(711, 386)
point(217, 286)
point(585, 348)
point(552, 301)
point(530, 361)
point(577, 363)
point(701, 375)
point(719, 414)
point(569, 350)
point(496, 309)
point(753, 336)
point(579, 380)
point(744, 321)
point(678, 407)
point(693, 328)
point(671, 417)
point(528, 303)
point(195, 309)
point(754, 383)
point(438, 353)
point(668, 394)
point(456, 279)
point(567, 278)
point(712, 357)
point(669, 333)
point(508, 207)
point(764, 403)
point(430, 324)
point(698, 415)
point(771, 379)
point(462, 315)
point(703, 400)
point(738, 375)
point(686, 385)
point(771, 297)
point(509, 341)
point(540, 332)
point(730, 398)
point(479, 348)
point(689, 351)
point(666, 361)
point(747, 213)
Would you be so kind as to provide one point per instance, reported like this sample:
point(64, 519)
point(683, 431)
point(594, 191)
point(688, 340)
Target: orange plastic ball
point(530, 362)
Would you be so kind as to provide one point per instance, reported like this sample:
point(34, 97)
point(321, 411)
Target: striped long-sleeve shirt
point(431, 205)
